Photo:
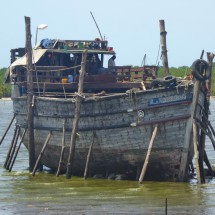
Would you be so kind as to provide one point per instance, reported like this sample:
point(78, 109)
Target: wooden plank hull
point(123, 125)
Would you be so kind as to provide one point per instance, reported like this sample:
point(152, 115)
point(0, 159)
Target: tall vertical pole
point(163, 34)
point(30, 122)
point(76, 116)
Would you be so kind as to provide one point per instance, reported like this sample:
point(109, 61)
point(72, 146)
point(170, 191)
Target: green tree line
point(5, 89)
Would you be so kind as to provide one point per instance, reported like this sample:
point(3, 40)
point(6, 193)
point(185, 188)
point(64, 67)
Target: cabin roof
point(36, 55)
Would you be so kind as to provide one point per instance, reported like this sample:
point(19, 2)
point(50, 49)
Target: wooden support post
point(210, 57)
point(5, 133)
point(89, 156)
point(184, 158)
point(166, 207)
point(76, 116)
point(62, 149)
point(13, 149)
point(196, 153)
point(207, 162)
point(30, 122)
point(17, 150)
point(11, 146)
point(41, 153)
point(163, 34)
point(148, 154)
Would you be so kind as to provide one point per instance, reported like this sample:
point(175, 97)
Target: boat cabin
point(56, 65)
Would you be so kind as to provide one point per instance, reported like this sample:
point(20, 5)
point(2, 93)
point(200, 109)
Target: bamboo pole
point(17, 150)
point(76, 117)
point(63, 148)
point(163, 34)
point(30, 122)
point(5, 133)
point(196, 153)
point(148, 154)
point(89, 156)
point(41, 153)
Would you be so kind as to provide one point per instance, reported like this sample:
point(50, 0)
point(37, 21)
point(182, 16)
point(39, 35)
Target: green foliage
point(183, 71)
point(5, 89)
point(178, 72)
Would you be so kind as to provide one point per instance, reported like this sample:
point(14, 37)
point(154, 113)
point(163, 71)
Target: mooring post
point(163, 34)
point(89, 156)
point(41, 153)
point(148, 154)
point(30, 122)
point(5, 133)
point(76, 116)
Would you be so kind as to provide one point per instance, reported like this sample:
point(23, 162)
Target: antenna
point(96, 25)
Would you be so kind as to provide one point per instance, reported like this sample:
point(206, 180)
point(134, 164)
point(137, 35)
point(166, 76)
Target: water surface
point(21, 193)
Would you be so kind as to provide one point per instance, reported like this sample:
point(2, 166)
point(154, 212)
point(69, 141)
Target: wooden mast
point(163, 34)
point(30, 119)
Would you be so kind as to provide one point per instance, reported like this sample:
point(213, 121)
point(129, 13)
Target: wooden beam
point(62, 148)
point(148, 154)
point(5, 133)
point(89, 156)
point(76, 117)
point(163, 34)
point(196, 153)
point(41, 153)
point(30, 119)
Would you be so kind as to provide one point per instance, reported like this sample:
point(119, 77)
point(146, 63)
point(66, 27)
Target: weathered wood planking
point(123, 124)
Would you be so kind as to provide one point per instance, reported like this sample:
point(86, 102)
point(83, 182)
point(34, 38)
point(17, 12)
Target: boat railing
point(61, 74)
point(133, 74)
point(81, 44)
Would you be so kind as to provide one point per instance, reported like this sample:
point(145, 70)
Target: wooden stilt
point(41, 153)
point(89, 156)
point(166, 207)
point(207, 162)
point(196, 153)
point(184, 158)
point(148, 154)
point(17, 150)
point(76, 117)
point(63, 147)
point(30, 122)
point(5, 133)
point(11, 146)
point(13, 149)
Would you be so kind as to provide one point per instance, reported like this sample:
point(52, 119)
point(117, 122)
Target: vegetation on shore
point(185, 70)
point(5, 89)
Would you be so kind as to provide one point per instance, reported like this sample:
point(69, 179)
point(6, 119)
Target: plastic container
point(64, 80)
point(70, 78)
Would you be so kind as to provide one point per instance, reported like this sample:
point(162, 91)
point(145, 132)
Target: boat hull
point(123, 126)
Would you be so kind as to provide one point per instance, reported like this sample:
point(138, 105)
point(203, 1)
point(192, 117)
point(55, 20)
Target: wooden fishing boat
point(121, 109)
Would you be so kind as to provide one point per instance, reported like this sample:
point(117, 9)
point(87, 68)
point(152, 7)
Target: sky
point(131, 27)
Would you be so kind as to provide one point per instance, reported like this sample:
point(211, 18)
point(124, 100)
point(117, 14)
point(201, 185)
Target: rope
point(57, 70)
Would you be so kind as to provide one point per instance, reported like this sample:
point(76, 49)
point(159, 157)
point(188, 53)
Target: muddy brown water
point(21, 193)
